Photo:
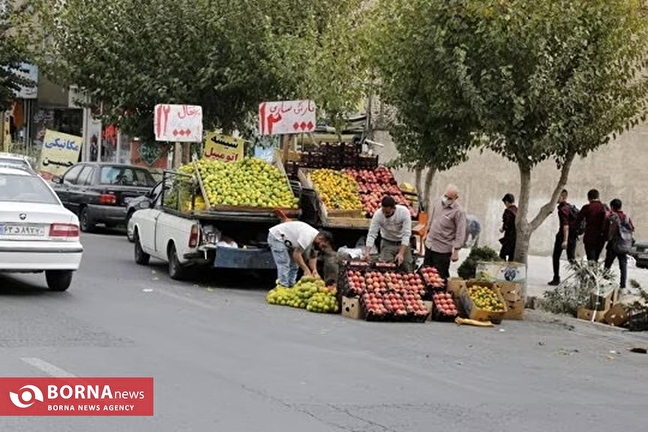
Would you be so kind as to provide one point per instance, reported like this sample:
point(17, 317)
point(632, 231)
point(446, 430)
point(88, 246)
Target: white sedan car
point(36, 232)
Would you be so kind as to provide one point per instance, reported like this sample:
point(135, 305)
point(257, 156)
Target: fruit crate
point(432, 279)
point(475, 312)
point(438, 314)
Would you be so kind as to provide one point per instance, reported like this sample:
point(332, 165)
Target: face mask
point(446, 201)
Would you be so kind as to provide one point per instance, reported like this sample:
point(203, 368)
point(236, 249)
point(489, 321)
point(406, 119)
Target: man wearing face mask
point(394, 223)
point(446, 232)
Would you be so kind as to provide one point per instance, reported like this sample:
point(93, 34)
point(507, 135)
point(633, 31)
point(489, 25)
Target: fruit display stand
point(482, 301)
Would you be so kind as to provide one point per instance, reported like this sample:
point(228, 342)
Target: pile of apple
point(373, 304)
point(373, 185)
point(356, 282)
point(444, 304)
point(432, 278)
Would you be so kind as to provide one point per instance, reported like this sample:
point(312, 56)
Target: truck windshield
point(126, 176)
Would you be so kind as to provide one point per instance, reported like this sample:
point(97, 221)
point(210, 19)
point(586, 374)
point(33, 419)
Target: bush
point(574, 292)
point(468, 269)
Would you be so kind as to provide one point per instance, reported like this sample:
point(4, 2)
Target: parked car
point(640, 253)
point(99, 192)
point(36, 232)
point(140, 203)
point(11, 160)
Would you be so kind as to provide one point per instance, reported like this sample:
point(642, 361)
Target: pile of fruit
point(485, 298)
point(309, 293)
point(373, 185)
point(336, 190)
point(444, 304)
point(249, 182)
point(387, 294)
point(432, 278)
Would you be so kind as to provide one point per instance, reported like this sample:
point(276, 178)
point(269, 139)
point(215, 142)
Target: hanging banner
point(224, 147)
point(178, 123)
point(60, 152)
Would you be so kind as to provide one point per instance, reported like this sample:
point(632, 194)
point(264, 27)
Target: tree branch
point(546, 209)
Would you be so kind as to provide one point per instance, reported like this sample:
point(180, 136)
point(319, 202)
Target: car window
point(85, 176)
point(72, 174)
point(126, 176)
point(28, 189)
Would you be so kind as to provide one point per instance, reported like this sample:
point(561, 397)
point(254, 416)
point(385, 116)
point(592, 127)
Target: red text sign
point(288, 117)
point(76, 396)
point(178, 123)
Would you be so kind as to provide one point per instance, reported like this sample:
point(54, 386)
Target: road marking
point(48, 368)
point(189, 300)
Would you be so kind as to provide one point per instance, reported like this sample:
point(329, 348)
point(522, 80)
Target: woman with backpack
point(619, 239)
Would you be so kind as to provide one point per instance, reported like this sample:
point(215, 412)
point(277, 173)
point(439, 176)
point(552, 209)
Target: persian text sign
point(224, 147)
point(178, 123)
point(60, 151)
point(288, 117)
point(76, 396)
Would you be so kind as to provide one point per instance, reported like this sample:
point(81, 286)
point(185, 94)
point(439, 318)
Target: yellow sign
point(60, 152)
point(224, 147)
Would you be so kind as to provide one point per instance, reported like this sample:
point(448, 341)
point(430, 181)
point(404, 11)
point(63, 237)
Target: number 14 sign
point(288, 117)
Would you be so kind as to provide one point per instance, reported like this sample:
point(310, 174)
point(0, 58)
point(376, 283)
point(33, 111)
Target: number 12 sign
point(287, 117)
point(178, 123)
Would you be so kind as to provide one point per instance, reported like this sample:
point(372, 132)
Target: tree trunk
point(429, 178)
point(523, 227)
point(418, 177)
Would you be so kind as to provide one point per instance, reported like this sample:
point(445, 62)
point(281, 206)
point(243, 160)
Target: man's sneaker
point(554, 282)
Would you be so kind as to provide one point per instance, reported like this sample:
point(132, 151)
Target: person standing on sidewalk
point(508, 228)
point(565, 238)
point(594, 215)
point(294, 243)
point(619, 235)
point(394, 223)
point(446, 232)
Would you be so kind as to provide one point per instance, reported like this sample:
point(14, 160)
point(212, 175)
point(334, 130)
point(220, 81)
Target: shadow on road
point(10, 286)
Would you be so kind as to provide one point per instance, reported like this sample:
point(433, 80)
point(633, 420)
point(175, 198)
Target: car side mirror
point(57, 180)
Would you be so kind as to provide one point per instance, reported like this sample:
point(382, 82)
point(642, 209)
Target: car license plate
point(22, 230)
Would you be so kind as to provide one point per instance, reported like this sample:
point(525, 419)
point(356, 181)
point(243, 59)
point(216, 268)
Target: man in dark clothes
point(565, 238)
point(594, 215)
point(617, 217)
point(508, 228)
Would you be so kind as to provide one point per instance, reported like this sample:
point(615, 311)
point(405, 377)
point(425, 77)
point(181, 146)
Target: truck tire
point(176, 270)
point(141, 257)
point(86, 224)
point(58, 280)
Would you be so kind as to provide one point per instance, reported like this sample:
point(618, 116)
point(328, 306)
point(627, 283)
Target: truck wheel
point(141, 257)
point(84, 220)
point(176, 270)
point(58, 280)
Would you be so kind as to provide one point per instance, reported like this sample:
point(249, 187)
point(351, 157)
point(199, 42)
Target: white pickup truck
point(219, 239)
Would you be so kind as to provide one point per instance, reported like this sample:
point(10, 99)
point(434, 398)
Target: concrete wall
point(617, 170)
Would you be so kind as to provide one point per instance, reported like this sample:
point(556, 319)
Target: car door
point(147, 228)
point(78, 191)
point(62, 189)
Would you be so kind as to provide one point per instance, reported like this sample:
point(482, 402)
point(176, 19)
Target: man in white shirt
point(290, 242)
point(394, 223)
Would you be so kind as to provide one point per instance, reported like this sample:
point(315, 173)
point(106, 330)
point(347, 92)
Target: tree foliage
point(11, 58)
point(545, 80)
point(227, 56)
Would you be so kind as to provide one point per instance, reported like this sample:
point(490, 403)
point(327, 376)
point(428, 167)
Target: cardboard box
point(351, 308)
point(455, 285)
point(513, 295)
point(617, 315)
point(604, 299)
point(428, 305)
point(473, 312)
point(501, 272)
point(587, 314)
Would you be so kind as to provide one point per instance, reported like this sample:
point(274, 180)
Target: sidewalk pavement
point(540, 272)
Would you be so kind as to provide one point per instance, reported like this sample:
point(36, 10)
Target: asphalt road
point(223, 360)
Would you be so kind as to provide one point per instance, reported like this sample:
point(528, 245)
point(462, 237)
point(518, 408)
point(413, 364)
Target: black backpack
point(621, 234)
point(573, 215)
